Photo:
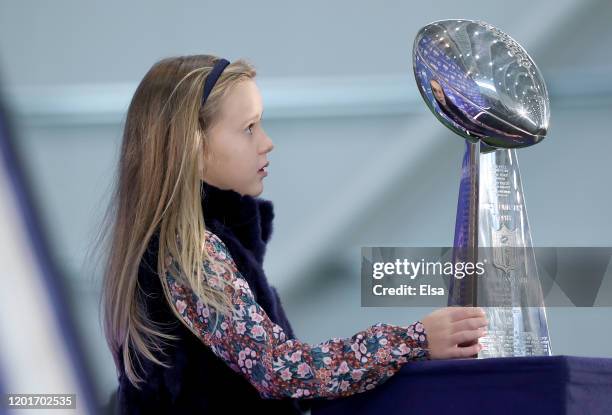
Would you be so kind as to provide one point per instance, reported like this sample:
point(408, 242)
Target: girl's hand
point(453, 332)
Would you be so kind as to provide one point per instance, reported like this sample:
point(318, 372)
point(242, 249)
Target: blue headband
point(212, 77)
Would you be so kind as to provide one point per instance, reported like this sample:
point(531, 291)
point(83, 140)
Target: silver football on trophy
point(481, 83)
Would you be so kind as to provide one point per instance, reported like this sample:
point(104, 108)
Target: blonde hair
point(158, 187)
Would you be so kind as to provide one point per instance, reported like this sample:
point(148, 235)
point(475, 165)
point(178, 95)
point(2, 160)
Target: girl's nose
point(268, 145)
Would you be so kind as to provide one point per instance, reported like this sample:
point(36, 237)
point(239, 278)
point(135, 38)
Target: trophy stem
point(492, 228)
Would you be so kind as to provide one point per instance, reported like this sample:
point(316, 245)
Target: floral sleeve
point(251, 344)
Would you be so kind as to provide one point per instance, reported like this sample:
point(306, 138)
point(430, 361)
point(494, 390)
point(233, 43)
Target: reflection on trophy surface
point(482, 85)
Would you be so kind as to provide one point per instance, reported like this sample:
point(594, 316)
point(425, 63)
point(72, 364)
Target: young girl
point(189, 316)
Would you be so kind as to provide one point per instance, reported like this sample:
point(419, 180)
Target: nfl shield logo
point(505, 249)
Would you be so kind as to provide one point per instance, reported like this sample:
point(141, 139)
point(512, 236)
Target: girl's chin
point(254, 190)
point(258, 188)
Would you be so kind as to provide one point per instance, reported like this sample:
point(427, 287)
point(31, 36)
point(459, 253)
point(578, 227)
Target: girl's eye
point(250, 128)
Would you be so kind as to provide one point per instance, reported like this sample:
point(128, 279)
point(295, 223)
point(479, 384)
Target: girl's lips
point(264, 170)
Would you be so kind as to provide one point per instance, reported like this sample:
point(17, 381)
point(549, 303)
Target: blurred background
point(358, 159)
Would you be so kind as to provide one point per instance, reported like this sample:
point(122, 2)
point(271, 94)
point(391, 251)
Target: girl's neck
point(248, 218)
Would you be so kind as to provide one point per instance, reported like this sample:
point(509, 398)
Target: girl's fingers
point(461, 313)
point(467, 336)
point(469, 324)
point(468, 351)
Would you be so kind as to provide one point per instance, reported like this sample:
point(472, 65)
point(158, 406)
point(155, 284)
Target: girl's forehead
point(242, 101)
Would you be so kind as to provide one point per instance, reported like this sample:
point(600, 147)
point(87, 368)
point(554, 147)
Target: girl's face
point(238, 145)
point(437, 91)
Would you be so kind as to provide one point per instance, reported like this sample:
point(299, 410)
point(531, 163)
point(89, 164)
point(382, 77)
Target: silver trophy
point(481, 84)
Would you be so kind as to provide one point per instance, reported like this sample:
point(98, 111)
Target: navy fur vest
point(198, 381)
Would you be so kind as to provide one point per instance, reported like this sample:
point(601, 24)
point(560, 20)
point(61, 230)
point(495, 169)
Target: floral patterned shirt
point(251, 344)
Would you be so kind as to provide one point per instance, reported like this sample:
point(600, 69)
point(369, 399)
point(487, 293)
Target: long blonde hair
point(158, 187)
